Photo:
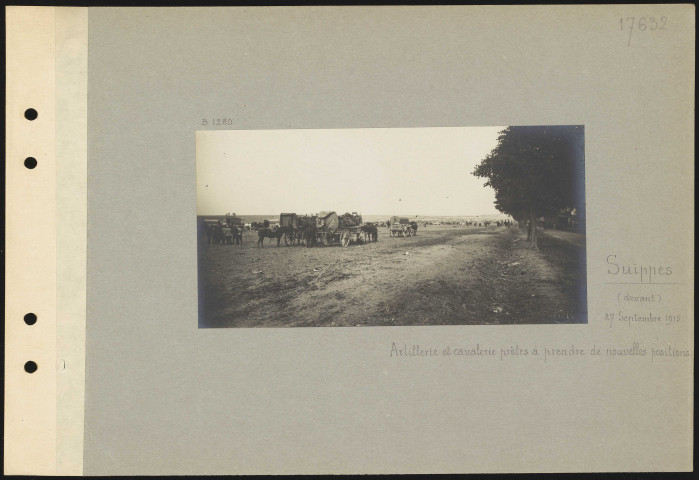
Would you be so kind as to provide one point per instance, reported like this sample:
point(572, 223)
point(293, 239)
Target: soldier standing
point(237, 235)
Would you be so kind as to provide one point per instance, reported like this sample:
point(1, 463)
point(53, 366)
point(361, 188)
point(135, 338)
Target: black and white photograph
point(391, 227)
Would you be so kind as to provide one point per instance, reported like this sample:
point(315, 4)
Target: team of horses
point(371, 231)
point(307, 234)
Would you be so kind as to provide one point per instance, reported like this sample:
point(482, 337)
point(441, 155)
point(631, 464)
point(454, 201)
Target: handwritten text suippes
point(633, 272)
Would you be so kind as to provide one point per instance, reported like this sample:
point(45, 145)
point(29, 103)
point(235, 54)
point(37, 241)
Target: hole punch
point(30, 367)
point(30, 162)
point(30, 114)
point(30, 319)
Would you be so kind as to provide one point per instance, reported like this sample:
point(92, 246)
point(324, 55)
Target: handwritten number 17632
point(642, 24)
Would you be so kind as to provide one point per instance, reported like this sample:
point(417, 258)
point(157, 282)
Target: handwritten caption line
point(635, 350)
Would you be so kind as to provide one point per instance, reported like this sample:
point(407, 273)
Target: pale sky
point(373, 171)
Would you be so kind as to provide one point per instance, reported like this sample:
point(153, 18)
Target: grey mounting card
point(349, 240)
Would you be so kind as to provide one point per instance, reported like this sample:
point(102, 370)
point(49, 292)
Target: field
point(446, 275)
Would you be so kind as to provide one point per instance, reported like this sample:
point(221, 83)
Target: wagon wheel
point(289, 238)
point(345, 238)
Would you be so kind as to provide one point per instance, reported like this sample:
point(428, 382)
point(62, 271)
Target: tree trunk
point(533, 236)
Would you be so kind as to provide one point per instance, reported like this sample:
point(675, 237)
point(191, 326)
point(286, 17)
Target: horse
point(277, 233)
point(413, 225)
point(263, 233)
point(309, 235)
point(371, 233)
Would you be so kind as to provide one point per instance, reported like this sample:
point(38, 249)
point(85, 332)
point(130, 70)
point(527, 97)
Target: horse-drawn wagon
point(345, 229)
point(294, 227)
point(289, 224)
point(400, 227)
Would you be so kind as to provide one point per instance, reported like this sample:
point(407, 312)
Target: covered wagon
point(345, 229)
point(289, 224)
point(327, 225)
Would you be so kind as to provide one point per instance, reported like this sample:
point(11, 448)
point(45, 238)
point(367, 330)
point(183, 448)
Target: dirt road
point(445, 275)
point(576, 239)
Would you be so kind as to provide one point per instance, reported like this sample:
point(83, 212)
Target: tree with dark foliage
point(537, 171)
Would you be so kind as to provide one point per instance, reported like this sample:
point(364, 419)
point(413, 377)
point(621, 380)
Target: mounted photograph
point(391, 227)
